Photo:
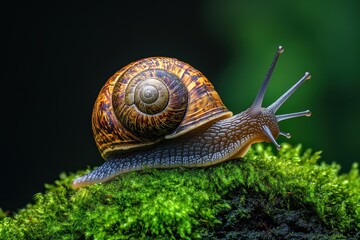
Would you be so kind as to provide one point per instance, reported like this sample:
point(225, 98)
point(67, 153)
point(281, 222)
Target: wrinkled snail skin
point(224, 140)
point(223, 137)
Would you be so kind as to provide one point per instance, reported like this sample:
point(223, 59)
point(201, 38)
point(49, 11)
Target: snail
point(160, 112)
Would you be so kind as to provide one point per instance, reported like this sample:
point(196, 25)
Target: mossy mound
point(263, 196)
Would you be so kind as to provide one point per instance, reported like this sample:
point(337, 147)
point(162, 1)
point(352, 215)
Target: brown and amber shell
point(117, 122)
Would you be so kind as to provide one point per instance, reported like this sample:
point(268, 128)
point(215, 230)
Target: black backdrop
point(54, 60)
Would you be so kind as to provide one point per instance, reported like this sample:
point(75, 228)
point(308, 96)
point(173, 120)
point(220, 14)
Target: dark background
point(55, 58)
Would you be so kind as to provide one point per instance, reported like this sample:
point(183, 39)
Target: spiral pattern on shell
point(150, 105)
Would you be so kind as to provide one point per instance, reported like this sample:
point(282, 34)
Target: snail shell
point(153, 99)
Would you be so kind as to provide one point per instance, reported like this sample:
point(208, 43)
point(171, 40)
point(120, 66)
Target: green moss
point(288, 195)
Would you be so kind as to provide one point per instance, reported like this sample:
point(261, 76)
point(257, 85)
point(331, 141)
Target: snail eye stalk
point(283, 117)
point(280, 101)
point(256, 106)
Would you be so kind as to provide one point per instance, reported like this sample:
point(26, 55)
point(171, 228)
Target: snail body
point(160, 113)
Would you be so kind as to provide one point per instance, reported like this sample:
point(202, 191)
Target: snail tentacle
point(256, 106)
point(285, 134)
point(283, 117)
point(268, 133)
point(277, 104)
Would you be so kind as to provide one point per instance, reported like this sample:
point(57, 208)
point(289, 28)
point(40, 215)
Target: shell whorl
point(150, 105)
